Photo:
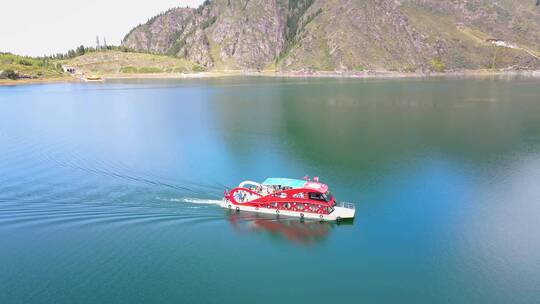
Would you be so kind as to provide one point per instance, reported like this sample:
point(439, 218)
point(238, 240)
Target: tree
point(10, 74)
point(80, 50)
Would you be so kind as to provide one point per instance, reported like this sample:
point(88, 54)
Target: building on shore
point(68, 69)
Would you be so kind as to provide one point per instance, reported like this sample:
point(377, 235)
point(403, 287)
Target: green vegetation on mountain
point(89, 61)
point(81, 50)
point(17, 67)
point(406, 35)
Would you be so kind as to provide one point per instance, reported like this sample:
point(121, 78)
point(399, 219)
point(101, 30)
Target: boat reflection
point(283, 228)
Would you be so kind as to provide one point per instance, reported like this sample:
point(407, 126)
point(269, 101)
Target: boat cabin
point(311, 189)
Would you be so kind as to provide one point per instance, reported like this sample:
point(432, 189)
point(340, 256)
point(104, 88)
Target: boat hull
point(338, 213)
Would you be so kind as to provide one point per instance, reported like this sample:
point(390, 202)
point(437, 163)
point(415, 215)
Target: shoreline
point(293, 74)
point(28, 81)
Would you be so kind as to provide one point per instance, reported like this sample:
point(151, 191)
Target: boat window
point(316, 196)
point(326, 197)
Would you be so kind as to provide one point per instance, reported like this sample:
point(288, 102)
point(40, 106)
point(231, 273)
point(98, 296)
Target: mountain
point(398, 35)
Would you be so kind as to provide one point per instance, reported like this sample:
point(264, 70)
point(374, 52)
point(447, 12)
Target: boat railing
point(346, 205)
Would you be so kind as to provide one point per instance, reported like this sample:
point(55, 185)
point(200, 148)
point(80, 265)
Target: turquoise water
point(108, 191)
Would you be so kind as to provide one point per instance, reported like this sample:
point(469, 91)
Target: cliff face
point(404, 35)
point(226, 33)
point(158, 34)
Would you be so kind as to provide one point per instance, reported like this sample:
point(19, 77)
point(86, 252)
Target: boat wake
point(58, 184)
point(202, 201)
point(192, 200)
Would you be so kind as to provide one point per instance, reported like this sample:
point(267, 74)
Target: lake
point(108, 191)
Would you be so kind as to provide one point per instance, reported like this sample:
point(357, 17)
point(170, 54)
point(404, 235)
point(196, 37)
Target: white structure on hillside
point(501, 43)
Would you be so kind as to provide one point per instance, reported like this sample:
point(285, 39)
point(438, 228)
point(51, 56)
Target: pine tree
point(80, 50)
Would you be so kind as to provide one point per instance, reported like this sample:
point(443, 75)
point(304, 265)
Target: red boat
point(302, 198)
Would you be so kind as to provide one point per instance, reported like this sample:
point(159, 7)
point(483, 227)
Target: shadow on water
point(293, 230)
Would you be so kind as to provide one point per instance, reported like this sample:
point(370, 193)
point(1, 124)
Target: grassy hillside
point(115, 62)
point(18, 67)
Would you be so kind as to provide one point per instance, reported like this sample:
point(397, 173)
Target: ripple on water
point(50, 215)
point(53, 186)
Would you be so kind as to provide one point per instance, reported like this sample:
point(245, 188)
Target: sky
point(45, 27)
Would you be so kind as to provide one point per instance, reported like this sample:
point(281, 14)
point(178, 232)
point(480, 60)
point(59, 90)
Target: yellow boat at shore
point(93, 78)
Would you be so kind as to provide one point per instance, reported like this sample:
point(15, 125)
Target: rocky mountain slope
point(401, 35)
